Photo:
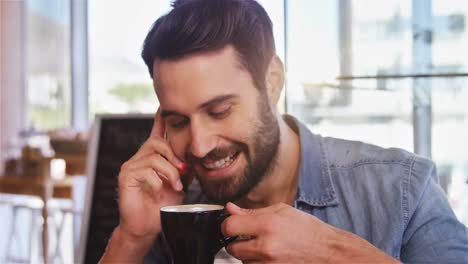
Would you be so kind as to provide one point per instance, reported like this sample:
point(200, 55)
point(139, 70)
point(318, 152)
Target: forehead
point(197, 78)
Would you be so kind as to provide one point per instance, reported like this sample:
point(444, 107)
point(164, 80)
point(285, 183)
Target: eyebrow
point(213, 101)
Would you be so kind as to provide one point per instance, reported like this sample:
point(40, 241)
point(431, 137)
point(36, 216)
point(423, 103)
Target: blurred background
point(390, 72)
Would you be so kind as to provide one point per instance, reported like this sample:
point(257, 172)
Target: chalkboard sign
point(115, 138)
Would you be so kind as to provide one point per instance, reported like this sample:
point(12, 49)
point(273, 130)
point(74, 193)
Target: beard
point(261, 159)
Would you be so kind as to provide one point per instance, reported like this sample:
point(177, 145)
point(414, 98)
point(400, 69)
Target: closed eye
point(221, 112)
point(178, 122)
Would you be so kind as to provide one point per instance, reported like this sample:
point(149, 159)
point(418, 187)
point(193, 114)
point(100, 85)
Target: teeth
point(219, 164)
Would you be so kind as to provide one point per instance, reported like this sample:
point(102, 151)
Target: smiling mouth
point(220, 163)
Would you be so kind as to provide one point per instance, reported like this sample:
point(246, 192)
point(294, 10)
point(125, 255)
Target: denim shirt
point(389, 197)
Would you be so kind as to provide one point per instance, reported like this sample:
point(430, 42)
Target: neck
point(280, 184)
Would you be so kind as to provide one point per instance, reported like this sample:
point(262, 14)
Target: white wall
point(12, 76)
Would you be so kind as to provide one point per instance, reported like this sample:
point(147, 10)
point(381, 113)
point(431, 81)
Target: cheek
point(178, 144)
point(239, 128)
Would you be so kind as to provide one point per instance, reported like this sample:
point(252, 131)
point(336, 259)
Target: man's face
point(217, 122)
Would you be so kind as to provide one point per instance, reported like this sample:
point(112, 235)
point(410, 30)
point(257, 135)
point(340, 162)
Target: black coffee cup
point(193, 232)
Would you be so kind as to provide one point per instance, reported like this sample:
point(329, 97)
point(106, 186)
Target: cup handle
point(224, 241)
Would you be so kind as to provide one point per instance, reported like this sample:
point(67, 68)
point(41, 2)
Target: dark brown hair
point(197, 26)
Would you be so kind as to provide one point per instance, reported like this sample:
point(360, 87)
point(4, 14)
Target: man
point(299, 197)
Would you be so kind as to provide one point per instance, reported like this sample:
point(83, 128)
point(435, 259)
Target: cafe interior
point(75, 93)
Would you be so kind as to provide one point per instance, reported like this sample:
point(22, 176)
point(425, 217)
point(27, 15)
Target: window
point(448, 98)
point(365, 39)
point(119, 79)
point(48, 63)
point(378, 112)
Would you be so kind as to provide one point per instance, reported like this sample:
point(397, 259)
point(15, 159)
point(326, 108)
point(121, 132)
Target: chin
point(222, 190)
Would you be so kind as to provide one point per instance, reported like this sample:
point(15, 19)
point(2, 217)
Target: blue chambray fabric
point(389, 197)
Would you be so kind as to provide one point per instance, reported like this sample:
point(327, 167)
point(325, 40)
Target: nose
point(202, 139)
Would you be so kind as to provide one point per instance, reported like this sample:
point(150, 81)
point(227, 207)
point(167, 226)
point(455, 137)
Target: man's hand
point(147, 182)
point(283, 234)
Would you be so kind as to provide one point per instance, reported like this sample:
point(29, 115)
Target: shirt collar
point(315, 186)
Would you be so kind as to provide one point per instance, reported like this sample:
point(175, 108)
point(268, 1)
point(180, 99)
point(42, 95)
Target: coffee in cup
point(193, 232)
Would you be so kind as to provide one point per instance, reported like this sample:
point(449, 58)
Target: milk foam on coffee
point(190, 208)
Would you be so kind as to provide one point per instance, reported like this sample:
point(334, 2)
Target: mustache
point(217, 153)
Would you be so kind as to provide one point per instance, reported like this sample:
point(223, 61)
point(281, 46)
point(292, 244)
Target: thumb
point(233, 209)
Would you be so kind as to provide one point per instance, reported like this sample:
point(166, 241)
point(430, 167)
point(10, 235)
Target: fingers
point(261, 247)
point(262, 228)
point(158, 125)
point(240, 225)
point(244, 250)
point(161, 166)
point(157, 145)
point(157, 154)
point(251, 222)
point(144, 178)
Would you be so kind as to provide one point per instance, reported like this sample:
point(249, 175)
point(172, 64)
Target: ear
point(274, 80)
